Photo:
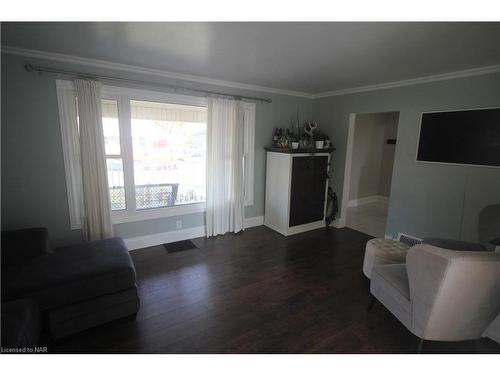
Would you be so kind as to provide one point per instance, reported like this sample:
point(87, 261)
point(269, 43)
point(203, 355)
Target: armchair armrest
point(454, 294)
point(18, 246)
point(426, 271)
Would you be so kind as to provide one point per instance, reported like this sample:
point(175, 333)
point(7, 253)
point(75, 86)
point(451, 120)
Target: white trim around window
point(66, 96)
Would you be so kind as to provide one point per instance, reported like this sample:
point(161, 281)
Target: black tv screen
point(461, 137)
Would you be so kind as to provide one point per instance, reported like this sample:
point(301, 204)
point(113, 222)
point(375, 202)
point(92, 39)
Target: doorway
point(369, 165)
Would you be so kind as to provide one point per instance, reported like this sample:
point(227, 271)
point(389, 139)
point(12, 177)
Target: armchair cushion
point(389, 284)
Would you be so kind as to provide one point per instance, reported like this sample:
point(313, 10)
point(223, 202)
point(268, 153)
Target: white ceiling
point(303, 57)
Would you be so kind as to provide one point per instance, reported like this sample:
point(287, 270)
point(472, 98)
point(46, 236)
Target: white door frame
point(341, 221)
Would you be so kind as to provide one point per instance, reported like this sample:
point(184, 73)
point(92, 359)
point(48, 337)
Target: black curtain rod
point(41, 69)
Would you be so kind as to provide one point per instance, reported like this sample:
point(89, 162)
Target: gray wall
point(426, 199)
point(372, 157)
point(33, 182)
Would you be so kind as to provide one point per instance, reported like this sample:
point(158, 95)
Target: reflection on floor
point(369, 218)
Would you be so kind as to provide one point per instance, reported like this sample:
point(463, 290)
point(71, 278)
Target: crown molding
point(70, 59)
point(414, 81)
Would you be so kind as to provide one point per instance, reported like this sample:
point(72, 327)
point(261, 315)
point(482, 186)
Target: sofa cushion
point(75, 273)
point(21, 245)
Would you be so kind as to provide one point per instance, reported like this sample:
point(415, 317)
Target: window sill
point(121, 217)
point(158, 213)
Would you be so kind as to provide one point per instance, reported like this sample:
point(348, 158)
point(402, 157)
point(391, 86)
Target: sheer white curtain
point(96, 221)
point(225, 185)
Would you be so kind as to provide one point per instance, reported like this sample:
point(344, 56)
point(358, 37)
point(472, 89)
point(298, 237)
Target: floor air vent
point(174, 247)
point(409, 240)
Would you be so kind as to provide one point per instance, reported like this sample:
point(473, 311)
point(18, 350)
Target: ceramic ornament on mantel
point(310, 128)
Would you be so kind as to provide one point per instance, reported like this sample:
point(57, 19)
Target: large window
point(155, 146)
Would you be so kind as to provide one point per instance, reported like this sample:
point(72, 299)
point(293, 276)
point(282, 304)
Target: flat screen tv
point(469, 136)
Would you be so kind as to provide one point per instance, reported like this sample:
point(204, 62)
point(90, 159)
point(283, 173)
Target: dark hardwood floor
point(258, 292)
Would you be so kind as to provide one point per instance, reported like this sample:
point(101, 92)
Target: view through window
point(168, 147)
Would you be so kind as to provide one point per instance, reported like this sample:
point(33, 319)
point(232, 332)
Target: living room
point(185, 187)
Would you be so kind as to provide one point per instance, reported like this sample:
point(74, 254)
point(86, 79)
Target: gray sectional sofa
point(75, 287)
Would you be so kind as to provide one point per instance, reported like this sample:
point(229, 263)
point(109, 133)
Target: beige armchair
point(441, 295)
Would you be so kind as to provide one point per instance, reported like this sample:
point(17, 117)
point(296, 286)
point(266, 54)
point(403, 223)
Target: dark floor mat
point(174, 247)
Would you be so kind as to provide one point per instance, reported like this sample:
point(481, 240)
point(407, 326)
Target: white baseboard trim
point(254, 221)
point(155, 239)
point(164, 237)
point(366, 200)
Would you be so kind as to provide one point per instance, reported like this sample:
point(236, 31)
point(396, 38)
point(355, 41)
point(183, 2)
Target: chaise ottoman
point(383, 251)
point(78, 286)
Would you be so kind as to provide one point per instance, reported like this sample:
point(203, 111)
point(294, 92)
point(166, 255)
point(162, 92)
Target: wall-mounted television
point(470, 137)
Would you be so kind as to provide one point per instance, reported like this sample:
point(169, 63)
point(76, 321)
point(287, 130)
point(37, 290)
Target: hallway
point(369, 218)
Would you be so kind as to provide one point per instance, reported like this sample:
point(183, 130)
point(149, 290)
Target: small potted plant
point(319, 139)
point(293, 140)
